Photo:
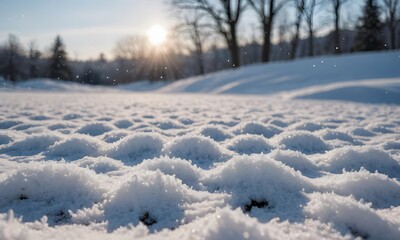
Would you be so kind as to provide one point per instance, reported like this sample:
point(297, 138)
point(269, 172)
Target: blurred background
point(113, 42)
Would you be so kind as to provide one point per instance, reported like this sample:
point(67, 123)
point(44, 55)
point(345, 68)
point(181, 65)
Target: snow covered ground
point(111, 164)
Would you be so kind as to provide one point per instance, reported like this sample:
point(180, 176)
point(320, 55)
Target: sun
point(157, 35)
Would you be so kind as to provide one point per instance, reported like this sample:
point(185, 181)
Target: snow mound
point(249, 144)
point(75, 147)
point(114, 136)
point(354, 158)
point(95, 129)
point(350, 216)
point(150, 197)
point(179, 168)
point(333, 135)
point(295, 160)
point(201, 150)
point(101, 165)
point(31, 145)
point(257, 128)
point(366, 186)
point(302, 141)
point(261, 184)
point(136, 148)
point(52, 189)
point(307, 126)
point(215, 132)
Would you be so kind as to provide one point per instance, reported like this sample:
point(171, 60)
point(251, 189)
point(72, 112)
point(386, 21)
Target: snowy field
point(111, 164)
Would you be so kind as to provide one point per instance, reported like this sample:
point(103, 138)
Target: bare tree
point(300, 9)
point(309, 16)
point(131, 53)
point(34, 56)
point(337, 4)
point(198, 32)
point(225, 15)
point(266, 19)
point(391, 7)
point(13, 53)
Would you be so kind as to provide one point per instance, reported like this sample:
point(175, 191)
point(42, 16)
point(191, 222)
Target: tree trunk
point(310, 41)
point(392, 35)
point(337, 49)
point(295, 41)
point(233, 47)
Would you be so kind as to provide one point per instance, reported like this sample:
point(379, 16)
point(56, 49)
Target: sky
point(91, 27)
point(88, 27)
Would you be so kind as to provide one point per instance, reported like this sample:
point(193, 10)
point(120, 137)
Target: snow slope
point(118, 165)
point(361, 77)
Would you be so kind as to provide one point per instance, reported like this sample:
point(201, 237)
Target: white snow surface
point(111, 164)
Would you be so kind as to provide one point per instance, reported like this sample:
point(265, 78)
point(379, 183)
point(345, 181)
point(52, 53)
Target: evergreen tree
point(58, 68)
point(369, 31)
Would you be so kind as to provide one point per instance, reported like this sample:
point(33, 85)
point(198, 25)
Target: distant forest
point(207, 39)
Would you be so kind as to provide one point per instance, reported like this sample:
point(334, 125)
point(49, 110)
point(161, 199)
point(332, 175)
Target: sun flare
point(157, 35)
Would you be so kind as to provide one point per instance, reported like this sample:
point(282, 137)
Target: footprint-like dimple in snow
point(167, 124)
point(362, 132)
point(249, 144)
point(5, 139)
point(8, 124)
point(201, 150)
point(123, 123)
point(302, 141)
point(136, 148)
point(95, 129)
point(257, 128)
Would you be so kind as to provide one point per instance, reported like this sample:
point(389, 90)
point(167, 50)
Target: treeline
point(208, 38)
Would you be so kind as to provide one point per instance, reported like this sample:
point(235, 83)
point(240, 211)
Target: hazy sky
point(88, 27)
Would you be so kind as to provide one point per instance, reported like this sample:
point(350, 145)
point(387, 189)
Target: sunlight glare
point(157, 35)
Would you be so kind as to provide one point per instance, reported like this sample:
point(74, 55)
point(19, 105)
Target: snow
point(112, 164)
